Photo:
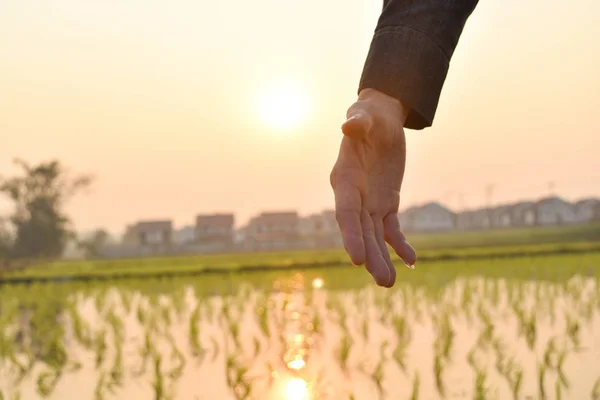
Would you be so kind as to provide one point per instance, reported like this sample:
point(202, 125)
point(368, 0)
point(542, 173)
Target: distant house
point(473, 219)
point(587, 210)
point(428, 217)
point(215, 232)
point(513, 215)
point(273, 231)
point(554, 211)
point(146, 238)
point(320, 230)
point(185, 235)
point(150, 233)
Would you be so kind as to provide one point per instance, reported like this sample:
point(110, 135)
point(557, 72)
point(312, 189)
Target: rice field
point(519, 328)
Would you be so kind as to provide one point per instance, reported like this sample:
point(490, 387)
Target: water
point(295, 338)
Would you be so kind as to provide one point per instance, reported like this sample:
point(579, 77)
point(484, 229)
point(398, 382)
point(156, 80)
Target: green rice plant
point(438, 369)
point(573, 329)
point(445, 336)
point(416, 385)
point(178, 301)
point(343, 351)
point(158, 385)
point(194, 335)
point(100, 347)
point(263, 320)
point(177, 356)
point(364, 329)
point(596, 390)
point(165, 314)
point(550, 353)
point(141, 315)
point(481, 390)
point(100, 387)
point(378, 373)
point(541, 379)
point(256, 343)
point(47, 381)
point(562, 356)
point(115, 374)
point(404, 338)
point(126, 299)
point(215, 348)
point(514, 375)
point(81, 328)
point(487, 333)
point(495, 293)
point(210, 315)
point(316, 322)
point(100, 299)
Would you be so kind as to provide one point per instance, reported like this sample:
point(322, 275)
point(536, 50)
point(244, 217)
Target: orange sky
point(159, 101)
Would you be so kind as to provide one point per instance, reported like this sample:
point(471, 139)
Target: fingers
point(358, 124)
point(376, 263)
point(380, 237)
point(347, 212)
point(397, 240)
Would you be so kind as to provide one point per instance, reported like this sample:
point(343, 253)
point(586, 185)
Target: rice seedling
point(378, 373)
point(263, 320)
point(481, 390)
point(47, 381)
point(126, 300)
point(416, 385)
point(562, 356)
point(194, 335)
point(81, 328)
point(179, 361)
point(404, 337)
point(158, 384)
point(596, 390)
point(344, 349)
point(541, 378)
point(100, 387)
point(100, 347)
point(573, 329)
point(145, 352)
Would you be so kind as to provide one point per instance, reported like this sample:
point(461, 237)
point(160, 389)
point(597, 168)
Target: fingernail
point(410, 266)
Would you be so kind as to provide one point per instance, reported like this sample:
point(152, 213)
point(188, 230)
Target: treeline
point(37, 226)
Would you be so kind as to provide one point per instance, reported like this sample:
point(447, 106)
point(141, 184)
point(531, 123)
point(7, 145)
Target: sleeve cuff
point(408, 65)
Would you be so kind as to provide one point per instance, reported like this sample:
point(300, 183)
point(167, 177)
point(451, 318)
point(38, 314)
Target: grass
point(207, 264)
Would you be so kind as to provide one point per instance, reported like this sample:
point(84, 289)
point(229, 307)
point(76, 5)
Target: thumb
point(357, 125)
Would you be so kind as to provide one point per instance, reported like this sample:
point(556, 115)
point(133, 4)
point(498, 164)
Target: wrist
point(387, 101)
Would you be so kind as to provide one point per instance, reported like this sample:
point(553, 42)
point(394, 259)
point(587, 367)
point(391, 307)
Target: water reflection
point(474, 338)
point(296, 389)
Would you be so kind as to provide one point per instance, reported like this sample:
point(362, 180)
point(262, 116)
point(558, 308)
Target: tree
point(5, 244)
point(93, 245)
point(39, 194)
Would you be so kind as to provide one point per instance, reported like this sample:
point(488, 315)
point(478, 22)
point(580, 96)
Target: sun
point(283, 104)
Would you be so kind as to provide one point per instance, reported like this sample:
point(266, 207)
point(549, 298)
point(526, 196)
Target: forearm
point(411, 50)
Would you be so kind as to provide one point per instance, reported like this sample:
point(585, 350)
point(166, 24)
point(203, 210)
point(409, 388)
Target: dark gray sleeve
point(411, 51)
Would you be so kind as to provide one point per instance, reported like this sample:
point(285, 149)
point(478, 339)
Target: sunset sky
point(168, 103)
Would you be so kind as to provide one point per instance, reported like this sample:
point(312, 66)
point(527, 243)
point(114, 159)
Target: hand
point(366, 180)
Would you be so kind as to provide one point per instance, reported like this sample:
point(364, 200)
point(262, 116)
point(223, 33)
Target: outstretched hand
point(366, 181)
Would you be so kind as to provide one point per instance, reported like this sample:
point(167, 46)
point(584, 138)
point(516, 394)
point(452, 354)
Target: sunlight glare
point(296, 390)
point(317, 283)
point(283, 104)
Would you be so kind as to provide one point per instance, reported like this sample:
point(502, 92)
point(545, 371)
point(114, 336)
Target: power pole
point(489, 192)
point(551, 186)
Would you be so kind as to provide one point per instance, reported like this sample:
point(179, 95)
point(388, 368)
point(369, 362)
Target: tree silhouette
point(39, 194)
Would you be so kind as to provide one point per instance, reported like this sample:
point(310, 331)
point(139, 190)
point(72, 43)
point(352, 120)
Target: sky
point(167, 104)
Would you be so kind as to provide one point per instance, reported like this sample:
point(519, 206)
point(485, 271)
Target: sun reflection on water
point(296, 389)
